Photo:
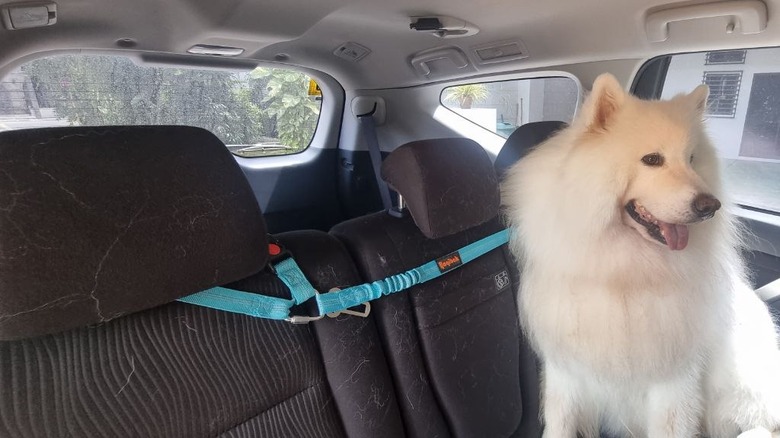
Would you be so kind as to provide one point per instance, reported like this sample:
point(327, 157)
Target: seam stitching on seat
point(465, 311)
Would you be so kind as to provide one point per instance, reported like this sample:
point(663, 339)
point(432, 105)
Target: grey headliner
point(555, 32)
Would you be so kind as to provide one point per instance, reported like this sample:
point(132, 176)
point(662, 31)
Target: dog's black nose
point(705, 205)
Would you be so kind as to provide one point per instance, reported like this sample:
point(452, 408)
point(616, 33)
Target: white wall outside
point(686, 72)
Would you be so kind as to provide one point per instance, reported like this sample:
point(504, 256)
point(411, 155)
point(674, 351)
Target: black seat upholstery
point(352, 354)
point(100, 229)
point(454, 345)
point(522, 141)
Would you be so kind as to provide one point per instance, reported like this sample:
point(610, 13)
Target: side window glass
point(500, 107)
point(743, 116)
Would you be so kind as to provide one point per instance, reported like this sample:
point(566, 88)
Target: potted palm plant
point(466, 95)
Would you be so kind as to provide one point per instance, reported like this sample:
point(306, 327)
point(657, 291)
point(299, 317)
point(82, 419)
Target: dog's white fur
point(636, 339)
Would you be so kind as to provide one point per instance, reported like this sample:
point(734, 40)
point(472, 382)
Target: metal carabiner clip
point(303, 319)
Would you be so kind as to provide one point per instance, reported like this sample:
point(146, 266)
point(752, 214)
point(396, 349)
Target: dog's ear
point(604, 100)
point(698, 98)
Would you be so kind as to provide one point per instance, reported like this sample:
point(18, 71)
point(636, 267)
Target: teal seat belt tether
point(356, 295)
point(236, 301)
point(290, 274)
point(261, 306)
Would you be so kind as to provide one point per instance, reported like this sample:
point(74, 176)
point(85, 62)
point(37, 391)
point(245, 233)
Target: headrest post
point(398, 210)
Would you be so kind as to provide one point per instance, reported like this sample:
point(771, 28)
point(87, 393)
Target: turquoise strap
point(236, 301)
point(340, 300)
point(290, 274)
point(261, 306)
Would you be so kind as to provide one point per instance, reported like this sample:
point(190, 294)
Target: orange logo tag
point(449, 262)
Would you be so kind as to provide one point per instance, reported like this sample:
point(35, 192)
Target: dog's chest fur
point(621, 328)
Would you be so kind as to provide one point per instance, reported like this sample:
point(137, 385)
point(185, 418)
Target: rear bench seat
point(100, 230)
point(454, 345)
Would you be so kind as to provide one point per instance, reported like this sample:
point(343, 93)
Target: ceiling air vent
point(500, 52)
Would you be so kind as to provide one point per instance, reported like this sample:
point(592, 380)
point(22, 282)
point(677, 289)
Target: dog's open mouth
point(675, 236)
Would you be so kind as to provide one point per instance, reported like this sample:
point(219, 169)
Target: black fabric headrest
point(523, 140)
point(100, 222)
point(448, 184)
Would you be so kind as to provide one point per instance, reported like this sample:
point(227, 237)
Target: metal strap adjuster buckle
point(305, 319)
point(359, 313)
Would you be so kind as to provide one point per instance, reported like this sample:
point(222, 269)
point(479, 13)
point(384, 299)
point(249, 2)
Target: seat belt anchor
point(276, 253)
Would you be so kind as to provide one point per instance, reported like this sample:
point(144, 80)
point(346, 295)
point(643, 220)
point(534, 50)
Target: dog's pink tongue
point(676, 235)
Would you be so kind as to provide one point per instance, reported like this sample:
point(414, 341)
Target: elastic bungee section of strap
point(356, 295)
point(261, 306)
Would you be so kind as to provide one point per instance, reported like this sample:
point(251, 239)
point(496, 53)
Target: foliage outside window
point(263, 112)
point(466, 95)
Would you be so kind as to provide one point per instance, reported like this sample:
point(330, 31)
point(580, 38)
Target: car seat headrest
point(449, 185)
point(522, 141)
point(100, 222)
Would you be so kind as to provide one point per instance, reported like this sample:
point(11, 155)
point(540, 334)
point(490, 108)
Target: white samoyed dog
point(633, 292)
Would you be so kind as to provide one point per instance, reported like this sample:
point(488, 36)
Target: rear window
point(267, 111)
point(500, 107)
point(742, 116)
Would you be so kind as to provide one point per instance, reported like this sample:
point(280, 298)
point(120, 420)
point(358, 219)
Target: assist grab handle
point(422, 61)
point(751, 15)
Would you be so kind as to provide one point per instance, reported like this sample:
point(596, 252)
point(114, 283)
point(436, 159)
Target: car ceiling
point(306, 33)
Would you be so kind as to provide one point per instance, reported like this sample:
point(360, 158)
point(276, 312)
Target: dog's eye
point(654, 159)
point(691, 160)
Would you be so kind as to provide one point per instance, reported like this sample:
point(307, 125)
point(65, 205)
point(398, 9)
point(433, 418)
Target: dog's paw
point(758, 432)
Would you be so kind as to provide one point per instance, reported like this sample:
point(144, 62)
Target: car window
point(742, 116)
point(500, 107)
point(267, 111)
